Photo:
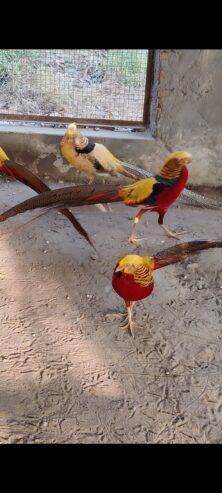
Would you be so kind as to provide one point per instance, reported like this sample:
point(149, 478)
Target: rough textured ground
point(69, 374)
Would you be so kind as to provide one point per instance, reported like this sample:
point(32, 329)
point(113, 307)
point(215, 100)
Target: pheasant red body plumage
point(126, 287)
point(170, 193)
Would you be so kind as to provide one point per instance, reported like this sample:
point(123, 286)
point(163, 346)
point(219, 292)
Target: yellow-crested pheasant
point(89, 157)
point(133, 275)
point(24, 175)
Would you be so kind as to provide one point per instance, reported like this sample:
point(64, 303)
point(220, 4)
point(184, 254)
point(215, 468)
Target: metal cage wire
point(97, 86)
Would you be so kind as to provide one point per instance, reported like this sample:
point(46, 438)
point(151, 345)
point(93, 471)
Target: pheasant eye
point(119, 273)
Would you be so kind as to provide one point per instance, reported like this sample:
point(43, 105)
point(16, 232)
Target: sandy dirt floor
point(69, 373)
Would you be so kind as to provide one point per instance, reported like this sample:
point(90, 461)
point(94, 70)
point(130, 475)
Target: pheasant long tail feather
point(181, 252)
point(196, 200)
point(63, 197)
point(138, 173)
point(25, 176)
point(77, 226)
point(128, 170)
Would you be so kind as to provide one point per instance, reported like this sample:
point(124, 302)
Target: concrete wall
point(190, 109)
point(40, 151)
point(189, 116)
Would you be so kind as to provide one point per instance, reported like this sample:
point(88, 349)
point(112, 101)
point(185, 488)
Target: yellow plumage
point(138, 191)
point(140, 267)
point(177, 156)
point(72, 148)
point(105, 158)
point(135, 260)
point(3, 156)
point(79, 161)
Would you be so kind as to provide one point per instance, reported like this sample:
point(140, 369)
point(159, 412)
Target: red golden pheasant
point(25, 176)
point(133, 275)
point(154, 194)
point(157, 194)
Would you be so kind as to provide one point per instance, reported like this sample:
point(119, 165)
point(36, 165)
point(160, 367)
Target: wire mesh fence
point(93, 85)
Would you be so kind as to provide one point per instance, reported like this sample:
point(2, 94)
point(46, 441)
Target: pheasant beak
point(186, 158)
point(185, 161)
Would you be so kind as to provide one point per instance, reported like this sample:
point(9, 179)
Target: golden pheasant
point(133, 275)
point(154, 194)
point(25, 176)
point(157, 193)
point(187, 197)
point(90, 158)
